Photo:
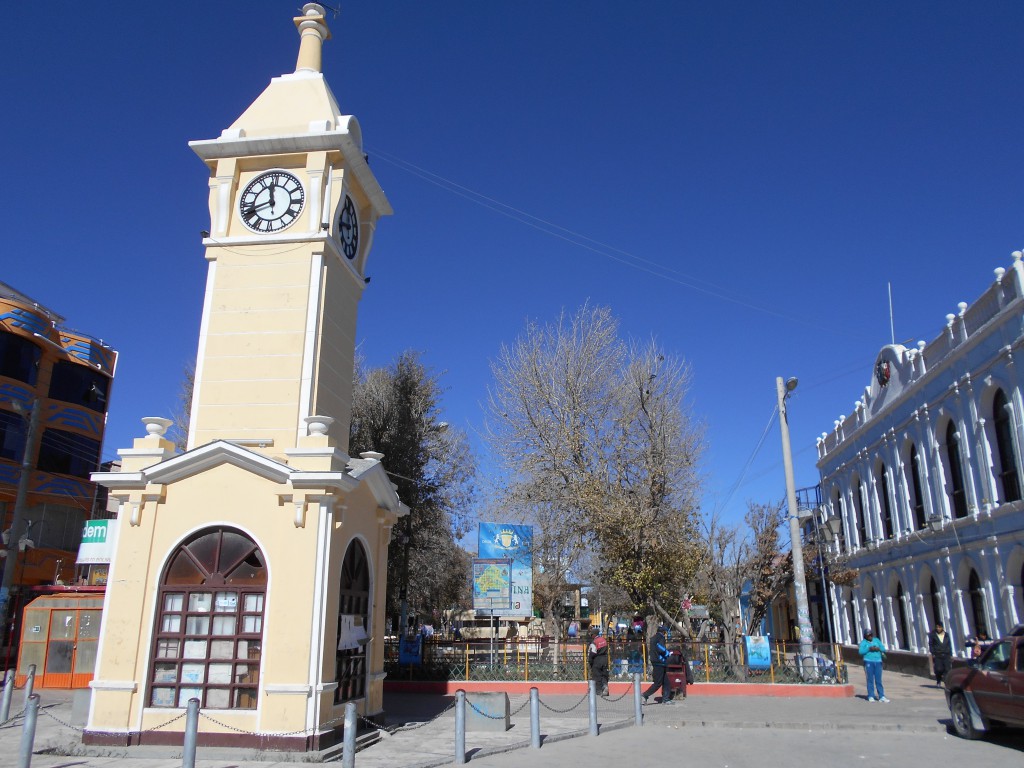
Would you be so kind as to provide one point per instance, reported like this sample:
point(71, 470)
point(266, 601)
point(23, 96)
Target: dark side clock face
point(348, 228)
point(271, 202)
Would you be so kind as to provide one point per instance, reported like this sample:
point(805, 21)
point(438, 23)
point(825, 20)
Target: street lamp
point(829, 532)
point(803, 613)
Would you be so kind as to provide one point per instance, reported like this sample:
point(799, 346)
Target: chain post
point(188, 757)
point(535, 718)
point(348, 753)
point(592, 696)
point(28, 731)
point(638, 713)
point(5, 707)
point(460, 727)
point(30, 682)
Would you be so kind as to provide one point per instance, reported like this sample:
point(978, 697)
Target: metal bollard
point(592, 695)
point(535, 718)
point(460, 727)
point(30, 682)
point(348, 744)
point(28, 731)
point(638, 712)
point(5, 706)
point(188, 757)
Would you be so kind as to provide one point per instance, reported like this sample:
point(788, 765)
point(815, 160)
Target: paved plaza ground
point(711, 730)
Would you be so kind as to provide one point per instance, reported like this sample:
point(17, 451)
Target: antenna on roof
point(892, 327)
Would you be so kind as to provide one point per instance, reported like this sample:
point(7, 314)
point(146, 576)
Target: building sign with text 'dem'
point(97, 542)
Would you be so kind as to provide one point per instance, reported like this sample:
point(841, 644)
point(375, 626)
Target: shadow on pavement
point(402, 708)
point(1011, 738)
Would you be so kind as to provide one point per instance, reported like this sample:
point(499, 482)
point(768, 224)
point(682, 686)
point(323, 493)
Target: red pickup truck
point(990, 690)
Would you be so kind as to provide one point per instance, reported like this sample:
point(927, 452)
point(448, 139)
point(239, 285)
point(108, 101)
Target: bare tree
point(182, 413)
point(769, 569)
point(598, 446)
point(740, 557)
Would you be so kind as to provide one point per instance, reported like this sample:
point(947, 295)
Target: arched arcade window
point(353, 612)
point(957, 492)
point(977, 602)
point(904, 623)
point(1003, 426)
point(915, 480)
point(858, 512)
point(935, 599)
point(883, 501)
point(209, 629)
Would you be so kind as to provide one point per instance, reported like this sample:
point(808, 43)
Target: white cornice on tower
point(345, 136)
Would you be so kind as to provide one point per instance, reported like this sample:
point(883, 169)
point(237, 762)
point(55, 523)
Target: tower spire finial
point(312, 33)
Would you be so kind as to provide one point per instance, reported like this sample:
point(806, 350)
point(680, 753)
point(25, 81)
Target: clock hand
point(272, 189)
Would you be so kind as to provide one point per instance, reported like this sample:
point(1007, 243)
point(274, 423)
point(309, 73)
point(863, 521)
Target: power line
point(626, 258)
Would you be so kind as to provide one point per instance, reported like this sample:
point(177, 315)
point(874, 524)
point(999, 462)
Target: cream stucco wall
point(303, 556)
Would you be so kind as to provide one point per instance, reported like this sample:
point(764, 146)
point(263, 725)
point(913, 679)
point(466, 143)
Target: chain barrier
point(484, 714)
point(56, 719)
point(414, 726)
point(564, 711)
point(610, 700)
point(164, 725)
point(13, 717)
point(520, 708)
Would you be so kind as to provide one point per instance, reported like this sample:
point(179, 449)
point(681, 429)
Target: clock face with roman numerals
point(348, 228)
point(271, 202)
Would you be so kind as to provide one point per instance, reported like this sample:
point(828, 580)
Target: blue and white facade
point(926, 476)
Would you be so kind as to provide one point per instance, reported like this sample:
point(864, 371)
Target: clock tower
point(249, 572)
point(293, 208)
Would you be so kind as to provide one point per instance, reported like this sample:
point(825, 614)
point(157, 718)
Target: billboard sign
point(97, 542)
point(514, 542)
point(492, 584)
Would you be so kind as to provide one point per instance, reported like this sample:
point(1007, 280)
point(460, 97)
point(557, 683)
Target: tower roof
point(298, 113)
point(295, 102)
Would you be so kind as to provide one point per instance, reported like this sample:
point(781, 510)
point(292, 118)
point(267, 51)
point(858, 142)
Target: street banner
point(410, 649)
point(515, 542)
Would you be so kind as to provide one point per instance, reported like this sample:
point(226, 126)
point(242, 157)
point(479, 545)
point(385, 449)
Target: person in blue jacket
point(659, 663)
point(873, 651)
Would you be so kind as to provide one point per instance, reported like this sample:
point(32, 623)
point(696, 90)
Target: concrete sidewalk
point(424, 732)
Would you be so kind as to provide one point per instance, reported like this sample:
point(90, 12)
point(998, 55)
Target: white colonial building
point(925, 476)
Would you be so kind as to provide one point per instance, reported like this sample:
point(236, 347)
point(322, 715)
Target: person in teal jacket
point(873, 651)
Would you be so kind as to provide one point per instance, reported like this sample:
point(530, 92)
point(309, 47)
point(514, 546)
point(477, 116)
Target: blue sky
point(743, 180)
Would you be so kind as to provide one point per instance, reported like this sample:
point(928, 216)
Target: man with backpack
point(597, 654)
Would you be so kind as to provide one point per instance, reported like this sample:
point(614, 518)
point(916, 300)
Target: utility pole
point(803, 613)
point(20, 503)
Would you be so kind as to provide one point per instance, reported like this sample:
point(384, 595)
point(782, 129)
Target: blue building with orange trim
point(67, 375)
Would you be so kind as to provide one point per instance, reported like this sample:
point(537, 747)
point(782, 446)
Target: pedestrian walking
point(659, 664)
point(597, 654)
point(872, 650)
point(940, 646)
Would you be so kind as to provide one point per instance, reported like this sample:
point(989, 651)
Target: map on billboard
point(492, 584)
point(515, 542)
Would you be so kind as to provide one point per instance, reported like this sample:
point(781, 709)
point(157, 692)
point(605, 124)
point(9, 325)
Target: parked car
point(989, 691)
